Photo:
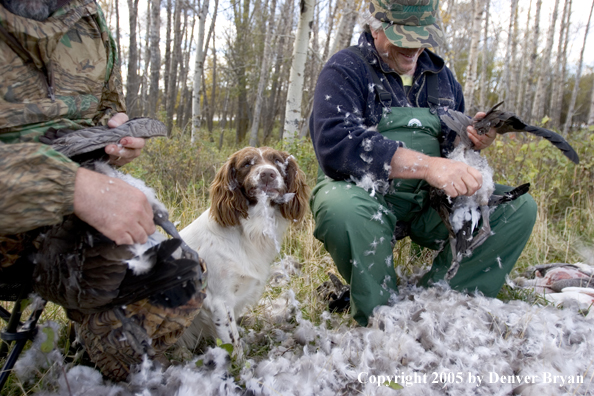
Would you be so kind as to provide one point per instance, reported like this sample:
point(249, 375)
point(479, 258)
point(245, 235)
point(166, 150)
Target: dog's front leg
point(226, 327)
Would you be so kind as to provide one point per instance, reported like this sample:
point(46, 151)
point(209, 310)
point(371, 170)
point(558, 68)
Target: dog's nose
point(267, 176)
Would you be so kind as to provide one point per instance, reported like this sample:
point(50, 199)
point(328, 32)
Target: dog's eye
point(280, 161)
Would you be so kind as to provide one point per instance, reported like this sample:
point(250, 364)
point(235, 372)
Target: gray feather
point(458, 122)
point(90, 139)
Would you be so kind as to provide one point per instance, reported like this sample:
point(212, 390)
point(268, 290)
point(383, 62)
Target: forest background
point(256, 69)
point(255, 73)
point(528, 53)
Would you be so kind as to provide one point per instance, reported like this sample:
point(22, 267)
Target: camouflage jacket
point(60, 73)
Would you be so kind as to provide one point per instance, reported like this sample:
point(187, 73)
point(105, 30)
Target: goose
point(561, 283)
point(127, 300)
point(462, 214)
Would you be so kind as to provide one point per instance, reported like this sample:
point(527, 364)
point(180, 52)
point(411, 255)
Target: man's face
point(39, 10)
point(402, 60)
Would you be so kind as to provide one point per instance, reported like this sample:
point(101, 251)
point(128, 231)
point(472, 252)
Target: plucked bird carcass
point(561, 283)
point(127, 300)
point(461, 215)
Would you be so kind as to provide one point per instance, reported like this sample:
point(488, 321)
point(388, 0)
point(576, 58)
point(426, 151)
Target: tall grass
point(181, 172)
point(563, 191)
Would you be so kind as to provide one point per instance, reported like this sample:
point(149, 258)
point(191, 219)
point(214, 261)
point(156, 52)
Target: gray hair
point(368, 21)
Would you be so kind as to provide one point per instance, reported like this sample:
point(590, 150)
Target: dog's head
point(252, 174)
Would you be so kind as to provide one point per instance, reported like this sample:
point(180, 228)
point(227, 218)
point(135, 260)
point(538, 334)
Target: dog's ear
point(228, 205)
point(295, 208)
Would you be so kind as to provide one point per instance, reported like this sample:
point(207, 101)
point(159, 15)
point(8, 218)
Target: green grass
point(181, 173)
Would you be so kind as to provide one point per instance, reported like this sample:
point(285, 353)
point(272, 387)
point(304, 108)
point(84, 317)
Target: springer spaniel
point(254, 197)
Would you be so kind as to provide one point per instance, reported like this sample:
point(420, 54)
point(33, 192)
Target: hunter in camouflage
point(409, 23)
point(59, 73)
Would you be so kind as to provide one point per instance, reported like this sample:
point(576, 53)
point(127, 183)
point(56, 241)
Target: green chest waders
point(357, 226)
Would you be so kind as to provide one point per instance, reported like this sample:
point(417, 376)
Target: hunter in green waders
point(380, 144)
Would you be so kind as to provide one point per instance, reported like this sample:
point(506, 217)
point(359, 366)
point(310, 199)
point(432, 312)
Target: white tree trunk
point(332, 9)
point(296, 77)
point(538, 105)
point(264, 74)
point(514, 61)
point(484, 82)
point(344, 31)
point(198, 67)
point(510, 60)
point(524, 59)
point(578, 75)
point(478, 8)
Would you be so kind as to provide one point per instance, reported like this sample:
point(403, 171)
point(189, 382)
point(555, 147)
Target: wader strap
point(433, 91)
point(383, 95)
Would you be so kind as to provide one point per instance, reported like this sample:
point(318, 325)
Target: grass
point(181, 173)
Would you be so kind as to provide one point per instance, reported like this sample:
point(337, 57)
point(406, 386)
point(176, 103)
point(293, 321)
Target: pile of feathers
point(435, 333)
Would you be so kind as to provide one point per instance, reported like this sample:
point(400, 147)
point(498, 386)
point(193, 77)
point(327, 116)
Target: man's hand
point(454, 177)
point(116, 209)
point(481, 141)
point(129, 147)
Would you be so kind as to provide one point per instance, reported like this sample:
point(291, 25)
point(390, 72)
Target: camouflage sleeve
point(112, 99)
point(37, 185)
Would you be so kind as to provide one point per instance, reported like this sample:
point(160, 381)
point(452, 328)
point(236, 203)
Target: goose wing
point(504, 122)
point(73, 143)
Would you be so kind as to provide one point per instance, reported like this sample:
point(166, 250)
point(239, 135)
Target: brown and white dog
point(255, 196)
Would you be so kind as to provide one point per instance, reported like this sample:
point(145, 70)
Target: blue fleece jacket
point(346, 111)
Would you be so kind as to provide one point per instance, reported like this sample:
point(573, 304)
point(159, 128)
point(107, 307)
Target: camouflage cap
point(409, 23)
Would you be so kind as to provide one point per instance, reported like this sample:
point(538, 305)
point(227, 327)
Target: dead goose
point(561, 283)
point(462, 214)
point(127, 300)
point(553, 278)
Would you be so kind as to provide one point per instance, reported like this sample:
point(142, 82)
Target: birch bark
point(296, 77)
point(344, 30)
point(484, 78)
